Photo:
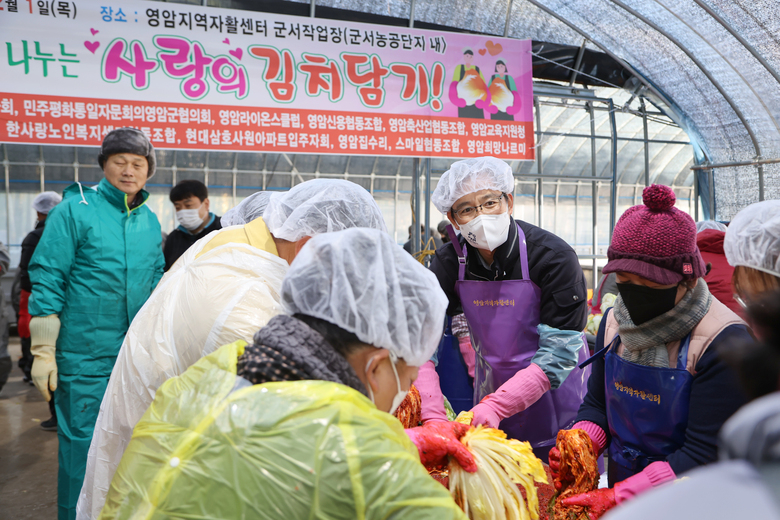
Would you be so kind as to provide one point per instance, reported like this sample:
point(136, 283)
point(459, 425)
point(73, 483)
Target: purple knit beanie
point(656, 241)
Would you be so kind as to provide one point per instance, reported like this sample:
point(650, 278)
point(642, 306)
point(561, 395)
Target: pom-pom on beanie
point(656, 240)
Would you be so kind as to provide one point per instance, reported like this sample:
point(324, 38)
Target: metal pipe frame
point(613, 202)
point(712, 80)
point(577, 63)
point(715, 48)
point(609, 138)
point(594, 198)
point(739, 38)
point(647, 145)
point(539, 162)
point(601, 46)
point(508, 17)
point(427, 200)
point(733, 164)
point(416, 203)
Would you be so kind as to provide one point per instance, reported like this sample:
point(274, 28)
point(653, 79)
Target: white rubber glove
point(44, 331)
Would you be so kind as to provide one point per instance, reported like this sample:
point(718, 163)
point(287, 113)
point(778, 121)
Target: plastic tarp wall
point(715, 61)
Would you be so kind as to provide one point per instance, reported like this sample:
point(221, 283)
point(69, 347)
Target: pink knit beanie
point(656, 240)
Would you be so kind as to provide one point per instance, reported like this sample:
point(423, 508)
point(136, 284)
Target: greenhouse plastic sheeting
point(226, 294)
point(211, 447)
point(654, 37)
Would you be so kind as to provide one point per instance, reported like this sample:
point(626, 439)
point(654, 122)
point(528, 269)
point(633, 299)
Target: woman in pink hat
point(658, 392)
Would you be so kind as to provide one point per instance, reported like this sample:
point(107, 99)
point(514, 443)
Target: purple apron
point(647, 411)
point(502, 318)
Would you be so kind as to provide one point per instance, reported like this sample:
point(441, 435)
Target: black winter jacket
point(553, 267)
point(180, 240)
point(29, 244)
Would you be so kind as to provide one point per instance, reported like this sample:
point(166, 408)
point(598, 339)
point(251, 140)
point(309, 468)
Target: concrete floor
point(28, 455)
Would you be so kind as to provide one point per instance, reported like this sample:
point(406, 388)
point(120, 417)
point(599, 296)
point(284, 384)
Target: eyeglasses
point(470, 212)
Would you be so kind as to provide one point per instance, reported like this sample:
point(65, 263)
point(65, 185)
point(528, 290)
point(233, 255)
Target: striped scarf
point(645, 344)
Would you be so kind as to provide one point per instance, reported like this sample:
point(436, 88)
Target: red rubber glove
point(597, 437)
point(599, 501)
point(436, 441)
point(554, 460)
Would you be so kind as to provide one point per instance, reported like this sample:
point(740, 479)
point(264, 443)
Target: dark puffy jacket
point(710, 242)
point(180, 240)
point(29, 244)
point(553, 267)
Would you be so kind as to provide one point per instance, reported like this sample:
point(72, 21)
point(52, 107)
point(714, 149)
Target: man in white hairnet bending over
point(224, 288)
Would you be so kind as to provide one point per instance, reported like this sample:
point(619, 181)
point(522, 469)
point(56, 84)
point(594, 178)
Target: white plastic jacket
point(206, 300)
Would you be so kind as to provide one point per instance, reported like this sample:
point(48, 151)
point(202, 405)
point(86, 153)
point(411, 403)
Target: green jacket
point(213, 446)
point(95, 266)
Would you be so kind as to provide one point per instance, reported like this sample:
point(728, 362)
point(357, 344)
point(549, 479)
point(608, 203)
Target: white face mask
point(486, 231)
point(189, 218)
point(400, 395)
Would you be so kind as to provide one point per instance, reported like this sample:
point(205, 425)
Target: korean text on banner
point(204, 78)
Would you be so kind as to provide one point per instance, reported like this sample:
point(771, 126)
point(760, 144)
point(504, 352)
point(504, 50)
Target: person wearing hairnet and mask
point(523, 293)
point(298, 424)
point(97, 262)
point(42, 204)
point(222, 289)
point(752, 247)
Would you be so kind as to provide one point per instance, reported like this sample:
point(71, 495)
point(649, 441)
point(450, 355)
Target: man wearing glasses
point(524, 296)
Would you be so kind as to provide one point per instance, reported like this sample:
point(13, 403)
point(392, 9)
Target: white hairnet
point(753, 237)
point(45, 201)
point(361, 281)
point(709, 224)
point(469, 176)
point(321, 206)
point(247, 210)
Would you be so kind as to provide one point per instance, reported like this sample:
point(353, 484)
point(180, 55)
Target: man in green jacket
point(98, 261)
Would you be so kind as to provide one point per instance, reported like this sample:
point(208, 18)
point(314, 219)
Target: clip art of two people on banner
point(474, 96)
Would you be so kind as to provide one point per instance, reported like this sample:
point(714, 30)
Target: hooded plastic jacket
point(213, 446)
point(95, 266)
point(222, 289)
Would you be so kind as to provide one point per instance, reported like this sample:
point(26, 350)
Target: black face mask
point(645, 303)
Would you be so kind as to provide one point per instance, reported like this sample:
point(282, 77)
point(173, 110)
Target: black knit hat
point(127, 140)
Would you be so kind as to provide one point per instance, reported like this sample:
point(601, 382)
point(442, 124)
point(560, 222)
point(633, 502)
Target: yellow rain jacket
point(224, 288)
point(213, 446)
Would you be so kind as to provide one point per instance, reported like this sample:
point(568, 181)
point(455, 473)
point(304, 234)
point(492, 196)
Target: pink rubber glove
point(457, 101)
point(438, 441)
point(514, 396)
point(515, 108)
point(432, 405)
point(467, 351)
point(602, 500)
point(484, 103)
point(652, 476)
point(597, 437)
